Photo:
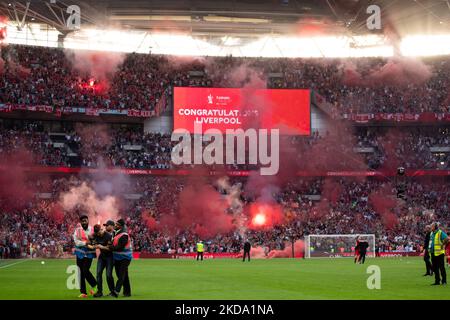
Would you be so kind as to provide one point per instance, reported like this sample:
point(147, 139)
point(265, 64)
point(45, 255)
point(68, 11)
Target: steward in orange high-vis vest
point(84, 253)
point(122, 255)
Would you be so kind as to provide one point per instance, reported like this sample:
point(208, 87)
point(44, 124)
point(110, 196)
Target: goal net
point(337, 245)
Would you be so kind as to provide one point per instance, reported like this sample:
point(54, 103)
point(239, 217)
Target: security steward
point(200, 250)
point(84, 252)
point(438, 240)
point(122, 256)
point(426, 252)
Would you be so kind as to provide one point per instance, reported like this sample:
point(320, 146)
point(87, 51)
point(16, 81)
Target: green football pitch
point(401, 278)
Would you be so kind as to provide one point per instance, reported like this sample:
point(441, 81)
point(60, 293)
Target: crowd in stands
point(350, 148)
point(32, 231)
point(49, 76)
point(39, 227)
point(46, 76)
point(29, 145)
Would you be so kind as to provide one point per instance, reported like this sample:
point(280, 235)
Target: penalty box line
point(13, 264)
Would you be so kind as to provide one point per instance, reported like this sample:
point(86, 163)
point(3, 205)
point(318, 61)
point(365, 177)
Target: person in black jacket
point(426, 253)
point(102, 240)
point(247, 247)
point(363, 245)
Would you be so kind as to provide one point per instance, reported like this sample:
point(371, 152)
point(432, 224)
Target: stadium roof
point(232, 23)
point(245, 17)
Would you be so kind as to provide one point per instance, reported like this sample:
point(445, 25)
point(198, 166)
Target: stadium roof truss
point(232, 26)
point(50, 12)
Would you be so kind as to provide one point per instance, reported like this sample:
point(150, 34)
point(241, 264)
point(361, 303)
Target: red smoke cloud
point(14, 191)
point(258, 253)
point(203, 208)
point(96, 139)
point(149, 220)
point(392, 144)
point(261, 252)
point(331, 190)
point(84, 199)
point(254, 105)
point(264, 215)
point(100, 66)
point(9, 62)
point(97, 196)
point(18, 69)
point(319, 211)
point(332, 152)
point(244, 76)
point(384, 202)
point(185, 63)
point(401, 71)
point(299, 248)
point(56, 213)
point(398, 71)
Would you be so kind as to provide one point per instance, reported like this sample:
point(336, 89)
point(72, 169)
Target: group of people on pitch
point(114, 245)
point(434, 247)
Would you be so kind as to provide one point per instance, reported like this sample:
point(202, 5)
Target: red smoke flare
point(299, 247)
point(264, 215)
point(262, 253)
point(259, 219)
point(3, 30)
point(101, 66)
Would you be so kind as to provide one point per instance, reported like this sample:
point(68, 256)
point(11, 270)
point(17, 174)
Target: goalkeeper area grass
point(280, 279)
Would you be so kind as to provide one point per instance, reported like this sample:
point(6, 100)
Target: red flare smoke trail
point(264, 215)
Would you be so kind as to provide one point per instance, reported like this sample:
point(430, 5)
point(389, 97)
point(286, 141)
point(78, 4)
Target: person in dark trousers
point(200, 250)
point(122, 255)
point(438, 241)
point(84, 252)
point(247, 247)
point(426, 252)
point(102, 240)
point(363, 245)
point(357, 248)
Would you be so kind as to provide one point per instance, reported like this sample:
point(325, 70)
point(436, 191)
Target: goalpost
point(336, 245)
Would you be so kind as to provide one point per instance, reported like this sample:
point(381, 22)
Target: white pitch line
point(13, 264)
